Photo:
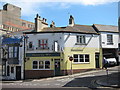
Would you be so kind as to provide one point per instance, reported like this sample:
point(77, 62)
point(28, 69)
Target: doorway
point(18, 72)
point(97, 60)
point(8, 70)
point(57, 67)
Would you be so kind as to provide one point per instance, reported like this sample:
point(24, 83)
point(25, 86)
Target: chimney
point(40, 24)
point(52, 24)
point(71, 21)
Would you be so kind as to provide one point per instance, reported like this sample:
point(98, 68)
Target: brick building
point(10, 19)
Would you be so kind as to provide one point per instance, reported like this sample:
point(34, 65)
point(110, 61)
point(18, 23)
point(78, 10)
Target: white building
point(109, 38)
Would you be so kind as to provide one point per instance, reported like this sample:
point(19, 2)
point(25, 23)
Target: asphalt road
point(86, 81)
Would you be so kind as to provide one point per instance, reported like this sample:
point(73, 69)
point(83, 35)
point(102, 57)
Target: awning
point(11, 41)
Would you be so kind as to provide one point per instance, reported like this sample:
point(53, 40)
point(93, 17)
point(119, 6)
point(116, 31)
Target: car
point(111, 61)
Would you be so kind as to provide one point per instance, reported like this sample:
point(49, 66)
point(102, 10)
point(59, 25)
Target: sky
point(85, 12)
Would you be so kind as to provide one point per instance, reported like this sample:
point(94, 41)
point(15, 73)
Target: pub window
point(30, 44)
point(43, 43)
point(47, 64)
point(41, 65)
point(35, 65)
point(56, 46)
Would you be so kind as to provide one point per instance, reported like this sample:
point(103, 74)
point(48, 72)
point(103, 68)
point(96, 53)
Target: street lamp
point(25, 38)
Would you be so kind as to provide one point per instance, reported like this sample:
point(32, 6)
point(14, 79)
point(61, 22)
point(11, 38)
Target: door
point(18, 72)
point(8, 70)
point(57, 67)
point(97, 60)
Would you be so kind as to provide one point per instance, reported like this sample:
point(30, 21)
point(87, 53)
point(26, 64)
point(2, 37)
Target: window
point(35, 64)
point(119, 47)
point(81, 39)
point(43, 43)
point(30, 44)
point(56, 48)
point(13, 52)
point(47, 64)
point(81, 58)
point(23, 24)
point(109, 39)
point(41, 64)
point(12, 69)
point(10, 52)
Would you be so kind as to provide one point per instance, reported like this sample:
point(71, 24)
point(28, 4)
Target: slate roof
point(70, 29)
point(106, 28)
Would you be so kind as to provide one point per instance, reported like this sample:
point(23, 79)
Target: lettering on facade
point(42, 54)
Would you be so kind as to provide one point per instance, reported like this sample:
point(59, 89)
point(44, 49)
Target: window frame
point(81, 39)
point(109, 39)
point(84, 58)
point(40, 44)
point(13, 52)
point(38, 63)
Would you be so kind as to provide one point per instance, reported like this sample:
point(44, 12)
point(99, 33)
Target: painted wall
point(71, 48)
point(51, 37)
point(67, 43)
point(104, 40)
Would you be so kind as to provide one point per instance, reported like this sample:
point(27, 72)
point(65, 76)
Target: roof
point(70, 29)
point(15, 25)
point(106, 28)
point(11, 40)
point(21, 32)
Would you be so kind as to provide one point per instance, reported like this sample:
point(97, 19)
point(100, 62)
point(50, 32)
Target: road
point(84, 81)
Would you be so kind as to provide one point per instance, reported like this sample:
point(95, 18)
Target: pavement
point(111, 79)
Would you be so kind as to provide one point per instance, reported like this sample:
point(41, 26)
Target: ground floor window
point(41, 64)
point(12, 69)
point(82, 58)
point(3, 70)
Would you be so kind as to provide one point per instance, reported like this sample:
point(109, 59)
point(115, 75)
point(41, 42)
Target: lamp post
point(24, 37)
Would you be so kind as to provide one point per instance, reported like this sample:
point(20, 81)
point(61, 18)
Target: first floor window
point(43, 43)
point(81, 58)
point(109, 38)
point(30, 44)
point(41, 64)
point(81, 39)
point(13, 52)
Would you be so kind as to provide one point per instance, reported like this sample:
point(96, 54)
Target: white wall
point(91, 40)
point(51, 37)
point(104, 40)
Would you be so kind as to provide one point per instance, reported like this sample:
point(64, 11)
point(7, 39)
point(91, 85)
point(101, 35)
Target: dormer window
point(109, 39)
point(81, 39)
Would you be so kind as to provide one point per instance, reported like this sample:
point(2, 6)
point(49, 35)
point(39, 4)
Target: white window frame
point(109, 39)
point(81, 39)
point(43, 65)
point(83, 58)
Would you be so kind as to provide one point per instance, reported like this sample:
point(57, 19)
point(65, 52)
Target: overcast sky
point(85, 12)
